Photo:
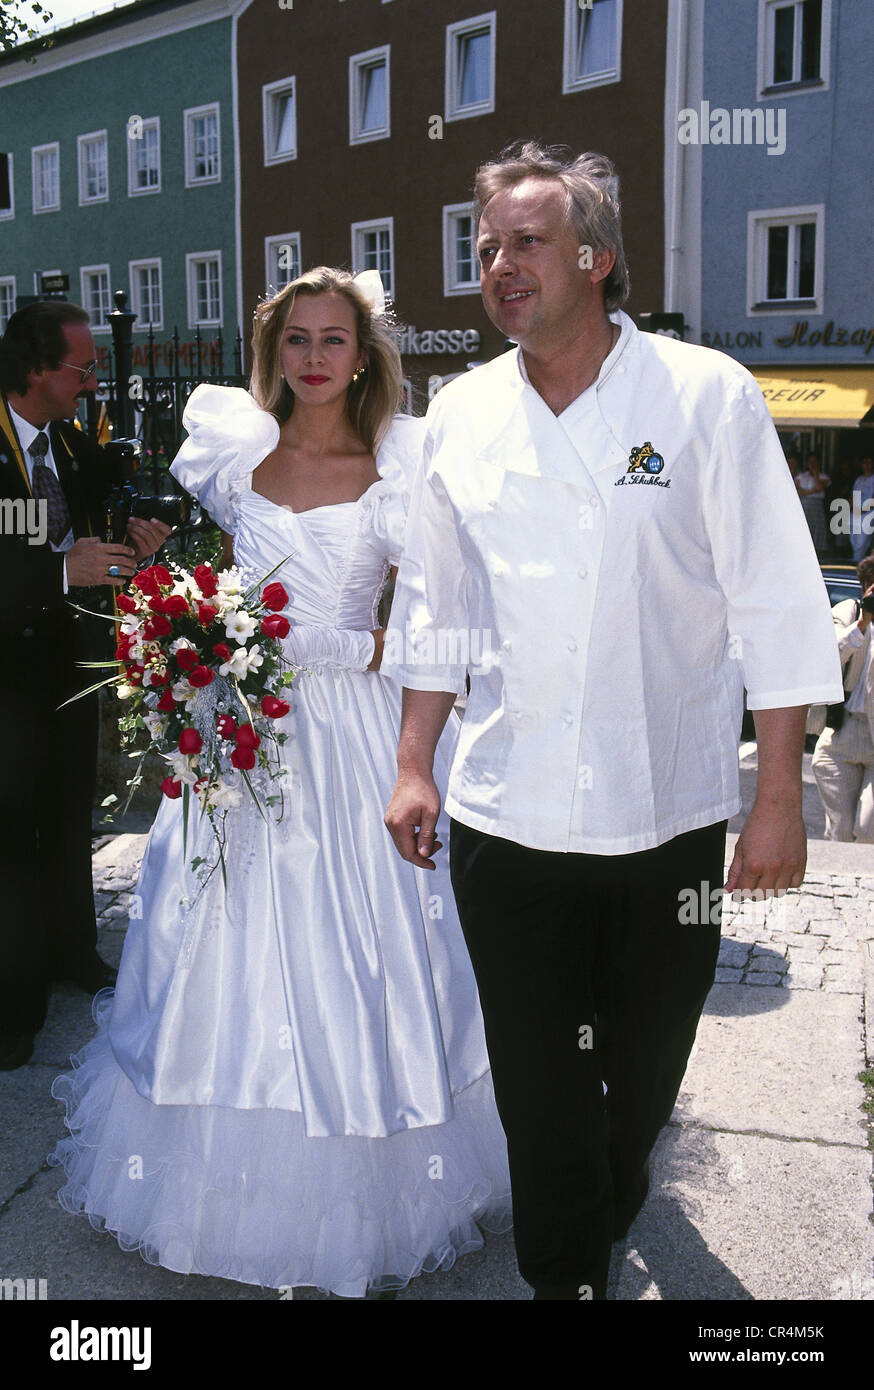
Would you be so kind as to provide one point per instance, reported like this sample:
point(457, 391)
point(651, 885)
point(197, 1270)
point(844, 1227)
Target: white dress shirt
point(615, 615)
point(27, 433)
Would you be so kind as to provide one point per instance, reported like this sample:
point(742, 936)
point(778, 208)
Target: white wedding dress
point(289, 1085)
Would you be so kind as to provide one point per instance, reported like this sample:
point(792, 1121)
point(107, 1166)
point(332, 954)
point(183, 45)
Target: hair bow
point(370, 285)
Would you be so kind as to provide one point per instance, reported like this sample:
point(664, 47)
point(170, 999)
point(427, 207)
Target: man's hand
point(771, 851)
point(411, 817)
point(88, 562)
point(146, 537)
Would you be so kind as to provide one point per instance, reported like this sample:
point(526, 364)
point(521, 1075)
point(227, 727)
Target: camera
point(126, 498)
point(868, 605)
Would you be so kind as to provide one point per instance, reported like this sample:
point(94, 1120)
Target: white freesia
point(155, 723)
point(179, 645)
point(237, 666)
point(255, 657)
point(183, 770)
point(240, 626)
point(130, 624)
point(183, 689)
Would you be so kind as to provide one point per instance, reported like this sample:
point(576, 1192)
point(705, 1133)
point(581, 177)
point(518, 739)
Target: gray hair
point(591, 186)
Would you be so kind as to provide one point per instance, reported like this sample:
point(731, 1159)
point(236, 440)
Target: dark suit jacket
point(31, 576)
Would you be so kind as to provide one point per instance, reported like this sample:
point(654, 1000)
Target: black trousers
point(47, 778)
point(586, 974)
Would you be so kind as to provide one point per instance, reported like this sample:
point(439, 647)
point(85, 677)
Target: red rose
point(243, 758)
point(200, 676)
point(159, 626)
point(162, 575)
point(122, 651)
point(222, 650)
point(170, 787)
point(146, 582)
point(176, 606)
point(275, 625)
point(246, 737)
point(205, 580)
point(156, 605)
point(273, 708)
point(190, 741)
point(126, 603)
point(188, 658)
point(205, 614)
point(273, 596)
point(134, 675)
point(226, 726)
point(166, 701)
point(158, 679)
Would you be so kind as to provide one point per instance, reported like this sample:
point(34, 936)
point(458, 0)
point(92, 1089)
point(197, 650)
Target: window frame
point(269, 92)
point(759, 220)
point(99, 269)
point(81, 165)
point(132, 192)
point(146, 263)
point(7, 214)
point(358, 62)
point(573, 13)
point(375, 224)
point(271, 243)
point(36, 150)
point(451, 287)
point(8, 281)
point(455, 32)
point(191, 288)
point(189, 115)
point(766, 87)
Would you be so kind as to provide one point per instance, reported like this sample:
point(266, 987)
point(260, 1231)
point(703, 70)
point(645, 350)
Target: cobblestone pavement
point(818, 937)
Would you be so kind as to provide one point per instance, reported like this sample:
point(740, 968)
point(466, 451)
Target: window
point(202, 156)
point(280, 121)
point(793, 44)
point(95, 296)
point(145, 294)
point(204, 277)
point(592, 44)
point(7, 196)
point(785, 260)
point(144, 157)
point(46, 178)
point(93, 178)
point(282, 260)
point(7, 300)
point(369, 96)
point(470, 67)
point(373, 249)
point(460, 262)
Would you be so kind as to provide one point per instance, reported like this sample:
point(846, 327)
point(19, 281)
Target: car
point(841, 581)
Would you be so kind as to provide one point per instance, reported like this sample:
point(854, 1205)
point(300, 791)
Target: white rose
point(124, 691)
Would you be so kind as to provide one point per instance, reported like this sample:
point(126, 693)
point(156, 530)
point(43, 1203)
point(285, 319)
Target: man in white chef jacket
point(606, 517)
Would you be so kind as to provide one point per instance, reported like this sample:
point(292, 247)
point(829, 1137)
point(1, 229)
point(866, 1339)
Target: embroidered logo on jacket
point(644, 464)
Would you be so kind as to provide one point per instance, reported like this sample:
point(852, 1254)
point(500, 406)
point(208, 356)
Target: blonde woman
point(299, 1061)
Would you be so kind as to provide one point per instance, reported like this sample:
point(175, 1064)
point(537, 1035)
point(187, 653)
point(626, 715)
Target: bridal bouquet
point(203, 677)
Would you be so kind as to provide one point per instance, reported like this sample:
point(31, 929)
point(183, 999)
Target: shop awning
point(818, 396)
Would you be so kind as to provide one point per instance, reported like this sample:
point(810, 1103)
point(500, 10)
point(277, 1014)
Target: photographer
point(53, 482)
point(843, 760)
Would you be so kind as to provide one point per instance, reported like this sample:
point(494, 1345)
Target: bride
point(289, 1085)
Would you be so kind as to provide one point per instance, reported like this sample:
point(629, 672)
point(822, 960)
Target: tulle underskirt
point(247, 1195)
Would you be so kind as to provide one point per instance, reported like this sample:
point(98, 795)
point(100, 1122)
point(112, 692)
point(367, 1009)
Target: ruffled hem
point(246, 1195)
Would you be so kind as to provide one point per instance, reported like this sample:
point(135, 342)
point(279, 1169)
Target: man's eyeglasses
point(84, 372)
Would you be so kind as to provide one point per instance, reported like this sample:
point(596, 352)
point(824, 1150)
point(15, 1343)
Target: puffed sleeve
point(399, 462)
point(228, 436)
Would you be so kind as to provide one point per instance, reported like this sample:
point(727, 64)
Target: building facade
point(118, 170)
point(362, 123)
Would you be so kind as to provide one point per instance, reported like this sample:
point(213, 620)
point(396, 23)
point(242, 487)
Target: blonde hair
point(590, 183)
point(373, 399)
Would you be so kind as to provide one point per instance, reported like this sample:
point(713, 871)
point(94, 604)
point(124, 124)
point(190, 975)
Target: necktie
point(45, 485)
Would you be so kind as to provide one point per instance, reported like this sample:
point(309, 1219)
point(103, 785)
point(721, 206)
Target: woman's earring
point(359, 372)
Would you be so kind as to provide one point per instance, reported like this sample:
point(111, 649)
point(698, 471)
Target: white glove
point(308, 646)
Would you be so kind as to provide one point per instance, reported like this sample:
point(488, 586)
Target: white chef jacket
point(620, 612)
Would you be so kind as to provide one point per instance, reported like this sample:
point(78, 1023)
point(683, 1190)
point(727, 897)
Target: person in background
point(843, 760)
point(811, 485)
point(862, 499)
